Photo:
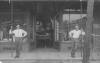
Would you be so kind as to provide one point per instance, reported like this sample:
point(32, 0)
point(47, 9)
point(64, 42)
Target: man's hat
point(77, 25)
point(18, 26)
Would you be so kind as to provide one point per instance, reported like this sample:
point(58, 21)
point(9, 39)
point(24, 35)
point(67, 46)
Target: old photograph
point(49, 31)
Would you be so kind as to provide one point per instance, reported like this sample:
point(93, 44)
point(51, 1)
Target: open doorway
point(44, 32)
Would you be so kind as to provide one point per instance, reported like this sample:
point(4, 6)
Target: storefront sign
point(73, 17)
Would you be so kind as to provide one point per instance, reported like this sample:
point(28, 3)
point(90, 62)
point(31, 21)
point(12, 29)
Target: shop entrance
point(44, 33)
point(48, 33)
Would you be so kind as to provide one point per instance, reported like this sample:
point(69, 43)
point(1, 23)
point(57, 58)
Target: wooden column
point(63, 47)
point(34, 31)
point(86, 50)
point(61, 27)
point(28, 23)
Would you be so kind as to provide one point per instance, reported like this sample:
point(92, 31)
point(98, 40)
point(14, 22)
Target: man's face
point(76, 27)
point(18, 27)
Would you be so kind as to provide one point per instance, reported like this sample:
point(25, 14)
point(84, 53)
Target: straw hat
point(18, 26)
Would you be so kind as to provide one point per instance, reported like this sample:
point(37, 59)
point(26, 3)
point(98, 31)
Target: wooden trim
point(14, 12)
point(44, 0)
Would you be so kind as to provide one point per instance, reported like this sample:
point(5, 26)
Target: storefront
point(34, 17)
point(51, 18)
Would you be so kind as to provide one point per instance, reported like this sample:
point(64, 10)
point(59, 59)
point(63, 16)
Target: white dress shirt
point(76, 33)
point(19, 33)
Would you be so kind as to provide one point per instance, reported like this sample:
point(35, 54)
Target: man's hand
point(24, 35)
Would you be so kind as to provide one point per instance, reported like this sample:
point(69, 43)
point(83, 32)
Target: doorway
point(44, 33)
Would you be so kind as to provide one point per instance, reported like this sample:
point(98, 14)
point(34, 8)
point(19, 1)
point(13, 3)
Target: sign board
point(73, 17)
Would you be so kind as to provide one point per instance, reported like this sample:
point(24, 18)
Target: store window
point(69, 20)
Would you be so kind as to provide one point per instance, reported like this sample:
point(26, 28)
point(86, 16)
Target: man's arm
point(83, 33)
point(24, 33)
point(70, 34)
point(12, 32)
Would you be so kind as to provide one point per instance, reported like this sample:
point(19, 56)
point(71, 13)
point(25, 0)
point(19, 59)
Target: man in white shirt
point(19, 34)
point(75, 37)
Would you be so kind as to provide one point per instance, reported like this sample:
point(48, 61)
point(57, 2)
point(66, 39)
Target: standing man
point(19, 34)
point(75, 37)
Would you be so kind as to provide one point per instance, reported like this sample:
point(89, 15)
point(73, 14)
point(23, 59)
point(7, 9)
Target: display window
point(68, 22)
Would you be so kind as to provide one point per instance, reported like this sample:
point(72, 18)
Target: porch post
point(60, 21)
point(28, 23)
point(86, 50)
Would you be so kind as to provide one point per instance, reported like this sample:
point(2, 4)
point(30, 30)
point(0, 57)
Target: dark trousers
point(18, 45)
point(74, 47)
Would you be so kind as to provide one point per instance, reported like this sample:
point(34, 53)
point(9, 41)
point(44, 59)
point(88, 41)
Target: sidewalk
point(46, 56)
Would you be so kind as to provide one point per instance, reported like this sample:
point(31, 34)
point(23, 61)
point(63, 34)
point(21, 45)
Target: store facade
point(59, 22)
point(34, 17)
